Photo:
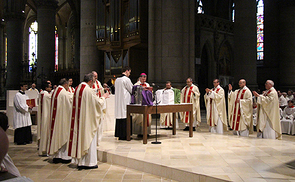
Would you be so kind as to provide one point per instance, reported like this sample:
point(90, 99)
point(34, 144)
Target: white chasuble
point(85, 119)
point(60, 114)
point(191, 95)
point(268, 111)
point(216, 109)
point(240, 110)
point(44, 123)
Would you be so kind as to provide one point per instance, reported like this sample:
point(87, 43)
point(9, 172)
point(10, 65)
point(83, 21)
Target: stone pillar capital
point(51, 4)
point(10, 16)
point(286, 3)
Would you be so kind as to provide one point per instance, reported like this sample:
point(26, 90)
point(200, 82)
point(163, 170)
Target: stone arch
point(204, 69)
point(224, 62)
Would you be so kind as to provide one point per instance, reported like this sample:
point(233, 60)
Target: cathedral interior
point(168, 40)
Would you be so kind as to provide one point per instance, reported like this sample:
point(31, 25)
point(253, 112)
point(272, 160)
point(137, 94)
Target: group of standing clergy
point(70, 121)
point(240, 110)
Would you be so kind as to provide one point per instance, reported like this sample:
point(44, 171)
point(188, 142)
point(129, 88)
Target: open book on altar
point(32, 102)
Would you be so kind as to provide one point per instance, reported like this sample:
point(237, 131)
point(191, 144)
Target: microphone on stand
point(154, 85)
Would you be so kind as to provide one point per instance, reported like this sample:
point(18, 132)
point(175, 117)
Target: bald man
point(240, 109)
point(268, 113)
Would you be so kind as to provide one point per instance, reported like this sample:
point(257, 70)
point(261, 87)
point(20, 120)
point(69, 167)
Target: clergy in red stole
point(85, 119)
point(137, 119)
point(268, 113)
point(99, 90)
point(216, 109)
point(240, 109)
point(60, 118)
point(43, 117)
point(190, 94)
point(71, 89)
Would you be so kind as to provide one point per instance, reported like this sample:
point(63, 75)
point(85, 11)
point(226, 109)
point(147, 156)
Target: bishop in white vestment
point(43, 118)
point(268, 113)
point(123, 88)
point(137, 119)
point(60, 118)
point(216, 109)
point(240, 109)
point(85, 120)
point(190, 94)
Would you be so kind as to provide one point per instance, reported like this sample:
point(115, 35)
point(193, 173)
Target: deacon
point(21, 117)
point(43, 117)
point(71, 89)
point(60, 118)
point(123, 88)
point(215, 107)
point(268, 119)
point(137, 119)
point(240, 109)
point(85, 120)
point(190, 94)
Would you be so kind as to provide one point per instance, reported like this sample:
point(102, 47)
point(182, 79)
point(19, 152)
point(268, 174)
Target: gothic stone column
point(46, 39)
point(14, 29)
point(287, 44)
point(245, 42)
point(88, 50)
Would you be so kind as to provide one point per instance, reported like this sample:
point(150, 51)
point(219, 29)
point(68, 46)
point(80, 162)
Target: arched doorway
point(202, 73)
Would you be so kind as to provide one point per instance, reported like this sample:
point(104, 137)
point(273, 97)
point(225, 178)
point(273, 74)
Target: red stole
point(73, 119)
point(93, 86)
point(187, 101)
point(236, 121)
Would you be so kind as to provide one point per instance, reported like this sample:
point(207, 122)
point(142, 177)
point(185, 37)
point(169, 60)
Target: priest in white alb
point(215, 107)
point(190, 94)
point(85, 119)
point(240, 109)
point(137, 119)
point(60, 118)
point(43, 117)
point(268, 113)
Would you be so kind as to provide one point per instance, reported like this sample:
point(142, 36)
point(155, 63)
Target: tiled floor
point(39, 169)
point(224, 156)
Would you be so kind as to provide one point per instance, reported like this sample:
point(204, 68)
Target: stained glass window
point(200, 7)
point(233, 12)
point(260, 28)
point(33, 44)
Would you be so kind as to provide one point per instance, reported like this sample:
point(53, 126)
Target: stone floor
point(38, 169)
point(226, 157)
point(223, 157)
